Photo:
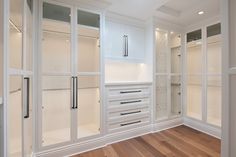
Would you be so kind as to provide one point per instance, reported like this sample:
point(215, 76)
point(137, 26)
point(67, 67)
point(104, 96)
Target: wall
point(1, 76)
point(232, 99)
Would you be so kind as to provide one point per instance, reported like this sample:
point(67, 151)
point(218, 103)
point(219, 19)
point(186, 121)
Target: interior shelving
point(168, 74)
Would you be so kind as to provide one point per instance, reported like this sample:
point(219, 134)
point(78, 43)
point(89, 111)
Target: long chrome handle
point(133, 91)
point(127, 113)
point(124, 45)
point(130, 123)
point(26, 97)
point(127, 45)
point(76, 92)
point(73, 92)
point(130, 102)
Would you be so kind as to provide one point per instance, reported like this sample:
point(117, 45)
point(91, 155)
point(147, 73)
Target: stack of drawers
point(128, 107)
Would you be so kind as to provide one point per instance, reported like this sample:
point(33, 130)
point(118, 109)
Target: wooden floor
point(181, 141)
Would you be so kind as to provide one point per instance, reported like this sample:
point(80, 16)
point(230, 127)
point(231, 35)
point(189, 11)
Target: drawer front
point(126, 102)
point(129, 111)
point(128, 93)
point(128, 124)
point(123, 118)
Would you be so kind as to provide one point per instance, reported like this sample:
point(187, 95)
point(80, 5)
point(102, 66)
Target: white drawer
point(126, 117)
point(129, 92)
point(128, 124)
point(125, 102)
point(127, 111)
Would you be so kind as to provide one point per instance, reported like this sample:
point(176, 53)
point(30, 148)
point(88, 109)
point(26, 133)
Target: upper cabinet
point(125, 42)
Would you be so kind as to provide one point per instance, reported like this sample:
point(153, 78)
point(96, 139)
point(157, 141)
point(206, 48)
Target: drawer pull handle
point(129, 102)
point(131, 123)
point(134, 91)
point(122, 114)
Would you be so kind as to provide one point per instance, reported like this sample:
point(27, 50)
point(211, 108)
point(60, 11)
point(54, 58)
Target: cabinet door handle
point(124, 45)
point(130, 123)
point(129, 102)
point(134, 91)
point(127, 113)
point(26, 97)
point(73, 92)
point(76, 92)
point(127, 45)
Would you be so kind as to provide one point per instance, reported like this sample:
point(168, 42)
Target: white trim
point(225, 145)
point(203, 127)
point(167, 124)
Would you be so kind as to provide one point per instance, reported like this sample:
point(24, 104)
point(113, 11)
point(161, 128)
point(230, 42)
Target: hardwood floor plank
point(180, 141)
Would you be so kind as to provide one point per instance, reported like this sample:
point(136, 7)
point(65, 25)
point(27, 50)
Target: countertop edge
point(126, 83)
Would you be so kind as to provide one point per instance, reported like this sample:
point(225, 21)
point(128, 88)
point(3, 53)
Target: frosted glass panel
point(194, 97)
point(175, 95)
point(15, 115)
point(15, 36)
point(214, 100)
point(56, 105)
point(88, 106)
point(162, 51)
point(56, 45)
point(161, 97)
point(214, 54)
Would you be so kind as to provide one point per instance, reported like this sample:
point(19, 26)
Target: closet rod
point(86, 36)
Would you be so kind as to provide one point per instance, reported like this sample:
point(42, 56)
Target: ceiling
point(182, 12)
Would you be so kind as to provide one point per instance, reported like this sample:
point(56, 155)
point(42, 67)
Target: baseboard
point(167, 124)
point(95, 143)
point(203, 127)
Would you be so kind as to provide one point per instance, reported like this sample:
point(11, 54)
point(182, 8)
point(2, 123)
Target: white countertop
point(127, 83)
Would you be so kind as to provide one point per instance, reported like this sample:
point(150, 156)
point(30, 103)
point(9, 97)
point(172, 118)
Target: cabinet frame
point(168, 73)
point(73, 72)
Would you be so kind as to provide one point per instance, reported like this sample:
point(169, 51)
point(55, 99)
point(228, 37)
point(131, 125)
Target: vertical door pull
point(127, 46)
point(26, 97)
point(73, 92)
point(76, 92)
point(124, 46)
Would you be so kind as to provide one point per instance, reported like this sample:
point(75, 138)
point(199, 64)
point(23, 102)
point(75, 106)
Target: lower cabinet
point(128, 106)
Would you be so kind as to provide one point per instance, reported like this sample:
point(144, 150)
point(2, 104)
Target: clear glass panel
point(214, 100)
point(194, 36)
point(28, 124)
point(194, 97)
point(56, 113)
point(175, 95)
point(29, 35)
point(15, 117)
point(161, 97)
point(88, 49)
point(214, 30)
point(88, 106)
point(175, 44)
point(162, 51)
point(88, 19)
point(214, 47)
point(194, 57)
point(56, 45)
point(15, 36)
point(175, 60)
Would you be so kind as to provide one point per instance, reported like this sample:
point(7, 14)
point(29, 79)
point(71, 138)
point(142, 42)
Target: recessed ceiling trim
point(169, 11)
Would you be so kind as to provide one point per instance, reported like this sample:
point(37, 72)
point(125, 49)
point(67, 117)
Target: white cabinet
point(128, 107)
point(124, 39)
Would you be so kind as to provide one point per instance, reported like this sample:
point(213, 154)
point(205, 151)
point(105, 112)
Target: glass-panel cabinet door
point(214, 87)
point(15, 117)
point(56, 74)
point(56, 109)
point(175, 95)
point(88, 72)
point(29, 35)
point(56, 39)
point(16, 34)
